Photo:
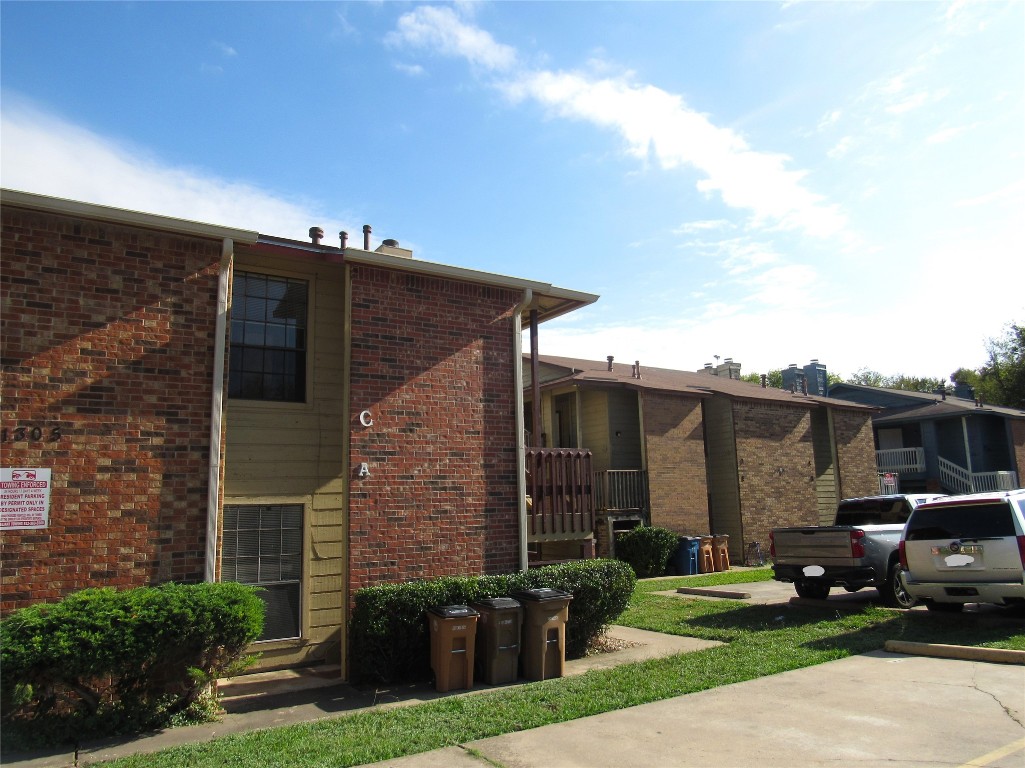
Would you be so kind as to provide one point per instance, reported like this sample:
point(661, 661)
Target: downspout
point(521, 461)
point(213, 506)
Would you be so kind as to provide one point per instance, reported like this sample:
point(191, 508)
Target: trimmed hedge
point(102, 661)
point(388, 633)
point(647, 549)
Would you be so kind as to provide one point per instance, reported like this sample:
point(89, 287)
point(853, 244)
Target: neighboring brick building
point(703, 452)
point(204, 398)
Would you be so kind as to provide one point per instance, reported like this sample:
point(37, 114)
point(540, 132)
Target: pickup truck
point(859, 550)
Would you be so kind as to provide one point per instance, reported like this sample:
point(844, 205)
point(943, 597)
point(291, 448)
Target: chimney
point(366, 237)
point(610, 358)
point(637, 369)
point(316, 235)
point(344, 237)
point(391, 248)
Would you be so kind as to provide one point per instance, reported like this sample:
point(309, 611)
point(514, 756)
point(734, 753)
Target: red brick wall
point(675, 443)
point(777, 468)
point(855, 453)
point(108, 336)
point(432, 360)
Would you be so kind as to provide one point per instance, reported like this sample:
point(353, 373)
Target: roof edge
point(18, 199)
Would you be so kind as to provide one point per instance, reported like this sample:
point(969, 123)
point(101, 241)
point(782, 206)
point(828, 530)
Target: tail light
point(857, 545)
point(1021, 550)
point(902, 552)
point(772, 544)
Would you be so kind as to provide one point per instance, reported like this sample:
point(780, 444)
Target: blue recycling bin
point(685, 559)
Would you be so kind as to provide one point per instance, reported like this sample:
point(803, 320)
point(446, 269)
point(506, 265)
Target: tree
point(1002, 378)
point(866, 377)
point(775, 378)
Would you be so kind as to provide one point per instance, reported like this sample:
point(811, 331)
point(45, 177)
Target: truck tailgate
point(820, 545)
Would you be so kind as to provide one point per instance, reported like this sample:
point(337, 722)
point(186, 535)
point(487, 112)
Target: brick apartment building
point(216, 404)
point(703, 452)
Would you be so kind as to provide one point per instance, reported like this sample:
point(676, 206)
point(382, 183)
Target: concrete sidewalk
point(879, 709)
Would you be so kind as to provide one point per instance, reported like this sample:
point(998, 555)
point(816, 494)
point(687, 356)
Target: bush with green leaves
point(388, 633)
point(647, 549)
point(102, 661)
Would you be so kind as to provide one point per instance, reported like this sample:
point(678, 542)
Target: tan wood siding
point(826, 492)
point(275, 451)
point(723, 479)
point(594, 423)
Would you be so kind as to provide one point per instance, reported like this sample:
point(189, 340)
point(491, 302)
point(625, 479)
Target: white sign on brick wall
point(24, 498)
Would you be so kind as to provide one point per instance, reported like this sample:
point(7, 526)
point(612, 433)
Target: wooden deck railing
point(560, 488)
point(621, 490)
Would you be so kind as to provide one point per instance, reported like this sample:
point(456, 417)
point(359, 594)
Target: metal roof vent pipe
point(637, 369)
point(316, 235)
point(366, 237)
point(344, 237)
point(765, 381)
point(610, 359)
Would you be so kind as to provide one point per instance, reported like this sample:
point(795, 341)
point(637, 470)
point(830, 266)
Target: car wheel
point(813, 590)
point(932, 605)
point(893, 593)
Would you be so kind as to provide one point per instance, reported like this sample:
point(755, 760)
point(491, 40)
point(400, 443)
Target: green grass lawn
point(760, 640)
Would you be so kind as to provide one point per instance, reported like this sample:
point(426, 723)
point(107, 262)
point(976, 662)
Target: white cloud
point(413, 70)
point(43, 154)
point(652, 122)
point(702, 226)
point(439, 28)
point(225, 49)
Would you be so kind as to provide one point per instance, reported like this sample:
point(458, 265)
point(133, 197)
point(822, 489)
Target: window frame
point(305, 385)
point(304, 545)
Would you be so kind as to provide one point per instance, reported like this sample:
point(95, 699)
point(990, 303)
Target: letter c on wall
point(366, 419)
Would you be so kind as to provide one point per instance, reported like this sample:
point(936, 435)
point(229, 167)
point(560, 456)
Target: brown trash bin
point(498, 639)
point(543, 653)
point(453, 636)
point(721, 552)
point(706, 559)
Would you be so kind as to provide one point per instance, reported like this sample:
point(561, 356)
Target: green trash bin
point(498, 639)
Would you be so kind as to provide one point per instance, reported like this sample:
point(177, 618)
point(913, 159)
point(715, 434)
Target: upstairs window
point(268, 338)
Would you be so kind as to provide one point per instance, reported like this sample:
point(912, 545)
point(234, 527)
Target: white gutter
point(213, 505)
point(521, 469)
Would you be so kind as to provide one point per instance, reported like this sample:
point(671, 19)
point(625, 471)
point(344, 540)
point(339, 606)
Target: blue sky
point(771, 182)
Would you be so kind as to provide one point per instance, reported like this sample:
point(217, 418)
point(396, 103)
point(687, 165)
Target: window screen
point(263, 546)
point(268, 338)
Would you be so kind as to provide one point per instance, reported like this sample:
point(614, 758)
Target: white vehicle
point(966, 549)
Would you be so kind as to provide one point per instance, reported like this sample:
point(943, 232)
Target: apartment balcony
point(901, 460)
point(560, 493)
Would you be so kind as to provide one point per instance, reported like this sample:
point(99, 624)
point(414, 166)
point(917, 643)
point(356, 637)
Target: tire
point(893, 593)
point(812, 590)
point(932, 605)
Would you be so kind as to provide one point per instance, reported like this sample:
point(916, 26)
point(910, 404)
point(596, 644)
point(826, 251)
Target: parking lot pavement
point(878, 709)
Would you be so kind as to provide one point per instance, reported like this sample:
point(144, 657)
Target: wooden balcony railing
point(560, 489)
point(621, 490)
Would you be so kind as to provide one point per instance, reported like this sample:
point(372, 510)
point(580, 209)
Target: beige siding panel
point(327, 566)
point(326, 500)
point(723, 478)
point(327, 617)
point(323, 601)
point(594, 424)
point(624, 418)
point(330, 585)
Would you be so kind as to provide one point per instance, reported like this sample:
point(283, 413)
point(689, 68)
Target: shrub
point(647, 549)
point(388, 633)
point(101, 662)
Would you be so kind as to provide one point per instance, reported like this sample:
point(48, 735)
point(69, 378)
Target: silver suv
point(966, 549)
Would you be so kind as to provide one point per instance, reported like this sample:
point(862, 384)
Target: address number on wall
point(30, 434)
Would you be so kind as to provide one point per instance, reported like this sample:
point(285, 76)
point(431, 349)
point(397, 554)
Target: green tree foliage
point(868, 377)
point(775, 378)
point(1001, 381)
